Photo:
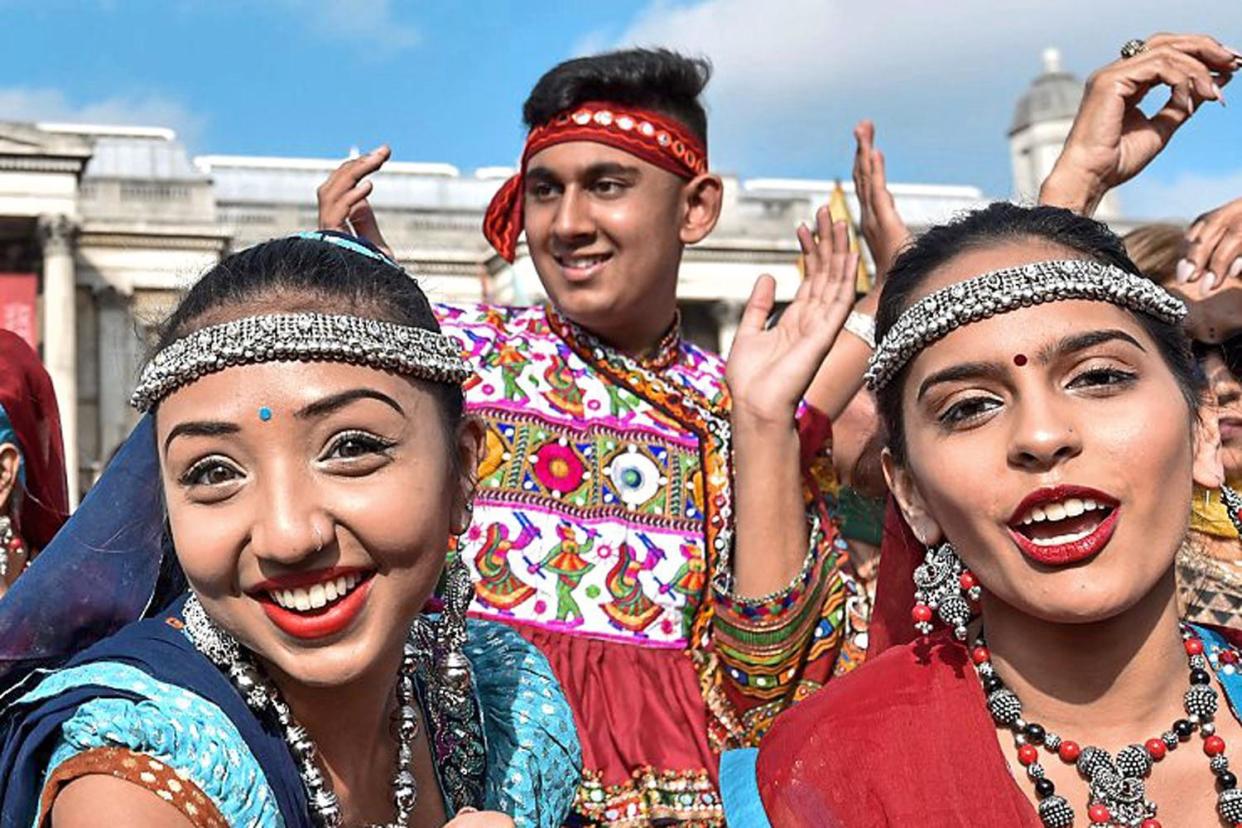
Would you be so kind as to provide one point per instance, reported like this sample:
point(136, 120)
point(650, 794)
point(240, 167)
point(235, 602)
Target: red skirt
point(643, 728)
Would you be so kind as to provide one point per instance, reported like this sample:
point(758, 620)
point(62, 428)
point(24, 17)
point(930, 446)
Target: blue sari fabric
point(146, 688)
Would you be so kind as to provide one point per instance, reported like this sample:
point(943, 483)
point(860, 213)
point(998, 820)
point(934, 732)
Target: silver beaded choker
point(939, 314)
point(307, 337)
point(262, 696)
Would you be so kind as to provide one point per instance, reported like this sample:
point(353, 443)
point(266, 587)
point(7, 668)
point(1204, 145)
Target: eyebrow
point(1081, 342)
point(200, 428)
point(962, 371)
point(991, 370)
point(598, 170)
point(319, 408)
point(336, 402)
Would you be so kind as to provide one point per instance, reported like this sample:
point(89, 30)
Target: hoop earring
point(942, 587)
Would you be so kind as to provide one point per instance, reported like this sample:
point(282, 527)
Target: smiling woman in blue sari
point(314, 464)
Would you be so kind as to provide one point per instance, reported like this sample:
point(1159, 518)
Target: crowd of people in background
point(960, 550)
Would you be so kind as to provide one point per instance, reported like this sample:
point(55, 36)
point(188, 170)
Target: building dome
point(1053, 96)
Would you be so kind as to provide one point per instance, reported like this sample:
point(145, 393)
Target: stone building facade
point(111, 223)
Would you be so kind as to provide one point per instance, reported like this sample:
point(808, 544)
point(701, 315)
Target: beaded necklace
point(263, 697)
point(1117, 789)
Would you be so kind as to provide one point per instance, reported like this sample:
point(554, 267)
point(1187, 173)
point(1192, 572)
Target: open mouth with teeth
point(579, 267)
point(314, 605)
point(316, 597)
point(1063, 525)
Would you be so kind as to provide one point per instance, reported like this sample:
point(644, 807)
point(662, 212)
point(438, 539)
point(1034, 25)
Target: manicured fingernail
point(1185, 269)
point(1235, 269)
point(1209, 282)
point(1220, 95)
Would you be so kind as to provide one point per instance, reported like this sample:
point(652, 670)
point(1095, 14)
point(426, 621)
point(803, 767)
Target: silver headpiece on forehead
point(308, 337)
point(940, 313)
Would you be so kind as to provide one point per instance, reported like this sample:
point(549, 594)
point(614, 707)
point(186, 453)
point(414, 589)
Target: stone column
point(56, 232)
point(727, 313)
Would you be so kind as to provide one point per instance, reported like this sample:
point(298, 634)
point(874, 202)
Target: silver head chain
point(307, 337)
point(940, 313)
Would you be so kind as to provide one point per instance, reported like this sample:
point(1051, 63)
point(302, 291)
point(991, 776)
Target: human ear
point(910, 500)
point(471, 436)
point(1207, 469)
point(703, 197)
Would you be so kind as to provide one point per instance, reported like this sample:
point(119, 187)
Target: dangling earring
point(1233, 506)
point(942, 586)
point(10, 544)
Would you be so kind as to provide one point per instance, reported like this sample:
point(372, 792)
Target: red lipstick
point(328, 620)
point(1061, 554)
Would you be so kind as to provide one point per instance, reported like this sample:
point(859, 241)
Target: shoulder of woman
point(100, 799)
point(118, 706)
point(534, 758)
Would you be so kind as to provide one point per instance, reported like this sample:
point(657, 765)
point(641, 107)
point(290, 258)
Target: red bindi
point(1019, 360)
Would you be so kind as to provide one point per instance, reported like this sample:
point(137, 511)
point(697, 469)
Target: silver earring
point(942, 586)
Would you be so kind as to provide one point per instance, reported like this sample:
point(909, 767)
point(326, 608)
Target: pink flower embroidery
point(558, 468)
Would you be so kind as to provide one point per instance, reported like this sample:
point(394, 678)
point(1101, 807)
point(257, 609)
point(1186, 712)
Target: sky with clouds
point(444, 81)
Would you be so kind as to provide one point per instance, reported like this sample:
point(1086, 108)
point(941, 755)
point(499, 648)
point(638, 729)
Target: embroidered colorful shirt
point(604, 510)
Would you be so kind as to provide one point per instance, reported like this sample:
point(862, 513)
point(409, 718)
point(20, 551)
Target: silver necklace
point(262, 695)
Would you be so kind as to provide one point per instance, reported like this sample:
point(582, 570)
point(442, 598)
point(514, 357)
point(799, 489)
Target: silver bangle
point(862, 325)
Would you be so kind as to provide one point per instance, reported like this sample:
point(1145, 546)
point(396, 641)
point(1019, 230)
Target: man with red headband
point(616, 465)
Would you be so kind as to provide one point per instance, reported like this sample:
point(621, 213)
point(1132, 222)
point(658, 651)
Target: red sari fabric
point(30, 404)
point(906, 740)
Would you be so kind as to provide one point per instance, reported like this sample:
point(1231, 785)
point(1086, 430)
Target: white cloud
point(940, 79)
point(1184, 196)
point(45, 104)
point(370, 23)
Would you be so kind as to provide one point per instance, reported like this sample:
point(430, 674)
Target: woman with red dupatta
point(34, 501)
point(1043, 412)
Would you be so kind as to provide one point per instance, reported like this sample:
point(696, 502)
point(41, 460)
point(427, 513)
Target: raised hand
point(1112, 140)
point(881, 225)
point(1214, 247)
point(770, 368)
point(343, 201)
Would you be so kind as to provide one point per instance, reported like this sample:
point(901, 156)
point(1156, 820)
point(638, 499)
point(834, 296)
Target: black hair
point(298, 274)
point(657, 79)
point(292, 275)
point(996, 224)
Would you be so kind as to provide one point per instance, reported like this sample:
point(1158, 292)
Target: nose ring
point(319, 537)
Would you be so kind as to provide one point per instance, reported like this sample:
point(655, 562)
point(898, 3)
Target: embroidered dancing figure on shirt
point(497, 586)
point(630, 608)
point(689, 581)
point(570, 567)
point(564, 394)
point(512, 363)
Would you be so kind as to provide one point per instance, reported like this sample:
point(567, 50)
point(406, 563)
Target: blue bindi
point(265, 413)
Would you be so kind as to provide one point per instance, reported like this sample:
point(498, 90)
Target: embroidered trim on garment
point(173, 786)
point(710, 421)
point(650, 796)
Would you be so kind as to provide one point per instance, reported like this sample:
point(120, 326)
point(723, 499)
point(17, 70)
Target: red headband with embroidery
point(655, 138)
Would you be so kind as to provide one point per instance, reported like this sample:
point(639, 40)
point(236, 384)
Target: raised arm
point(343, 203)
point(840, 376)
point(768, 372)
point(1112, 139)
point(1214, 248)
